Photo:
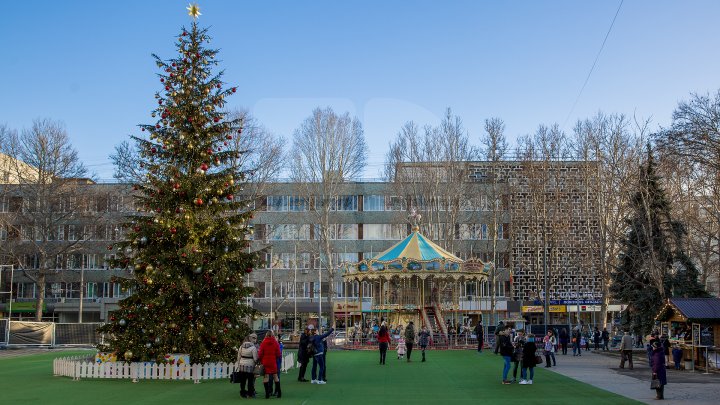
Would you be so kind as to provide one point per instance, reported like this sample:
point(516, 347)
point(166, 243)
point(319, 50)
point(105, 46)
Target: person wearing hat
point(303, 357)
point(658, 368)
point(246, 358)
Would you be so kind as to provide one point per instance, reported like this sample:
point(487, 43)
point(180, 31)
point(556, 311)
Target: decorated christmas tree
point(187, 244)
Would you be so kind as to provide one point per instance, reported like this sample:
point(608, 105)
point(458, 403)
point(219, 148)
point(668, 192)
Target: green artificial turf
point(354, 377)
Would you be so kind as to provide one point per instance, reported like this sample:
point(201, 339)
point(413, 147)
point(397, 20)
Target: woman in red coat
point(384, 341)
point(268, 355)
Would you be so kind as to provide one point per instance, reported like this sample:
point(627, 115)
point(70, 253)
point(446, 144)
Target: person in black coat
point(529, 350)
point(303, 357)
point(480, 335)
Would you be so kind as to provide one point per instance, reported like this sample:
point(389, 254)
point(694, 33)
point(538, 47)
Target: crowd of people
point(519, 350)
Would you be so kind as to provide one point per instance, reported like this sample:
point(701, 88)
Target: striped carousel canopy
point(416, 247)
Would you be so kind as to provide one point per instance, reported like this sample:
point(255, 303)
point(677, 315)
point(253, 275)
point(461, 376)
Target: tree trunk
point(41, 296)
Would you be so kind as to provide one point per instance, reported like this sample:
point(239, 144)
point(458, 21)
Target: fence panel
point(31, 333)
point(3, 331)
point(70, 334)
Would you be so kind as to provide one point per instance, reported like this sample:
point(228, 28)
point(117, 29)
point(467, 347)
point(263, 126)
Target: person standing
point(424, 340)
point(626, 346)
point(529, 350)
point(605, 339)
point(505, 348)
point(564, 338)
point(576, 338)
point(268, 354)
point(658, 369)
point(517, 358)
point(498, 329)
point(596, 338)
point(480, 335)
point(318, 358)
point(409, 339)
point(246, 358)
point(303, 357)
point(383, 342)
point(549, 348)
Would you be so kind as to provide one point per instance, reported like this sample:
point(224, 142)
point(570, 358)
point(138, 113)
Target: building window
point(374, 203)
point(277, 203)
point(298, 203)
point(346, 203)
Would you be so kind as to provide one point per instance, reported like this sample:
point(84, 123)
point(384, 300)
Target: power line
point(587, 79)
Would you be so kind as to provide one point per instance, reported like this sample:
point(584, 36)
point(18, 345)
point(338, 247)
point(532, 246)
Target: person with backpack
point(409, 339)
point(316, 349)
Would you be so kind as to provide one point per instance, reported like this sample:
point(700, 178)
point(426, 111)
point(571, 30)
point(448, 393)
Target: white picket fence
point(83, 367)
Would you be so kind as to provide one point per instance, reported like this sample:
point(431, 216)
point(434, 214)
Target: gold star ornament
point(193, 10)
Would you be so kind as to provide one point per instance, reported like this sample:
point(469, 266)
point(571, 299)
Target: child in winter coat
point(401, 348)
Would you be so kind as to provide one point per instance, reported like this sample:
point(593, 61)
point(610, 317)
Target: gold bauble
point(128, 355)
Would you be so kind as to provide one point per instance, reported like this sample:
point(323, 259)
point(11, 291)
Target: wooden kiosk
point(694, 324)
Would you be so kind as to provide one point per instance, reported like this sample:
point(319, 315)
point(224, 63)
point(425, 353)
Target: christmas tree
point(187, 245)
point(653, 264)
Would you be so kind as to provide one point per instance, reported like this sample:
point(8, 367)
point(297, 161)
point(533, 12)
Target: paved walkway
point(602, 370)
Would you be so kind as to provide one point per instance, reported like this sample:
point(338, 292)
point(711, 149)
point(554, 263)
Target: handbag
point(538, 359)
point(655, 383)
point(259, 370)
point(234, 377)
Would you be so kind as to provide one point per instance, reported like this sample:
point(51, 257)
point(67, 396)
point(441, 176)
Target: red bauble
point(218, 86)
point(110, 247)
point(142, 129)
point(173, 231)
point(162, 80)
point(234, 89)
point(153, 149)
point(204, 166)
point(230, 197)
point(216, 119)
point(198, 201)
point(228, 137)
point(248, 270)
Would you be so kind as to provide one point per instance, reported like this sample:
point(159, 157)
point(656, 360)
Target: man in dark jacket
point(409, 339)
point(303, 357)
point(479, 333)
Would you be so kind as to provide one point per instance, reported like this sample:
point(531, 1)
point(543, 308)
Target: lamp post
point(82, 282)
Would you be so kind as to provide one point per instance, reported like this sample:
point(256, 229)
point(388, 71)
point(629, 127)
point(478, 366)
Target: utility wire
point(587, 79)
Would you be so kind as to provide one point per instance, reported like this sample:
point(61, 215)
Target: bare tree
point(328, 150)
point(610, 146)
point(494, 150)
point(45, 202)
point(692, 148)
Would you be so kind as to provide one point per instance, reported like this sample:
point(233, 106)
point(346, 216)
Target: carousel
point(416, 280)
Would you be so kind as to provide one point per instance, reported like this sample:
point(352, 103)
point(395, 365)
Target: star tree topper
point(193, 10)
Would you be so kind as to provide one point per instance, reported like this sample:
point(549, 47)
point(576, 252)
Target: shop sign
point(533, 308)
point(27, 306)
point(557, 308)
point(341, 306)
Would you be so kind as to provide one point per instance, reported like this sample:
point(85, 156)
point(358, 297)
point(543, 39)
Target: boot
point(278, 392)
point(271, 386)
point(423, 356)
point(267, 390)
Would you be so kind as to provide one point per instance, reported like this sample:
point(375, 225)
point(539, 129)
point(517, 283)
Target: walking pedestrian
point(424, 340)
point(528, 363)
point(480, 335)
point(576, 340)
point(564, 338)
point(549, 348)
point(268, 354)
point(409, 339)
point(383, 342)
point(505, 348)
point(303, 357)
point(318, 356)
point(658, 369)
point(626, 346)
point(605, 339)
point(401, 348)
point(246, 358)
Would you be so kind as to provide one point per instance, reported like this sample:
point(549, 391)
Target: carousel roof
point(416, 247)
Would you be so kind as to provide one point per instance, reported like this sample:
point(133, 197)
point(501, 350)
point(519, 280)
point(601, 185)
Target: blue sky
point(88, 63)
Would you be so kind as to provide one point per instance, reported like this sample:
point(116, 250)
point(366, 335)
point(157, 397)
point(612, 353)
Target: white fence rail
point(84, 367)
